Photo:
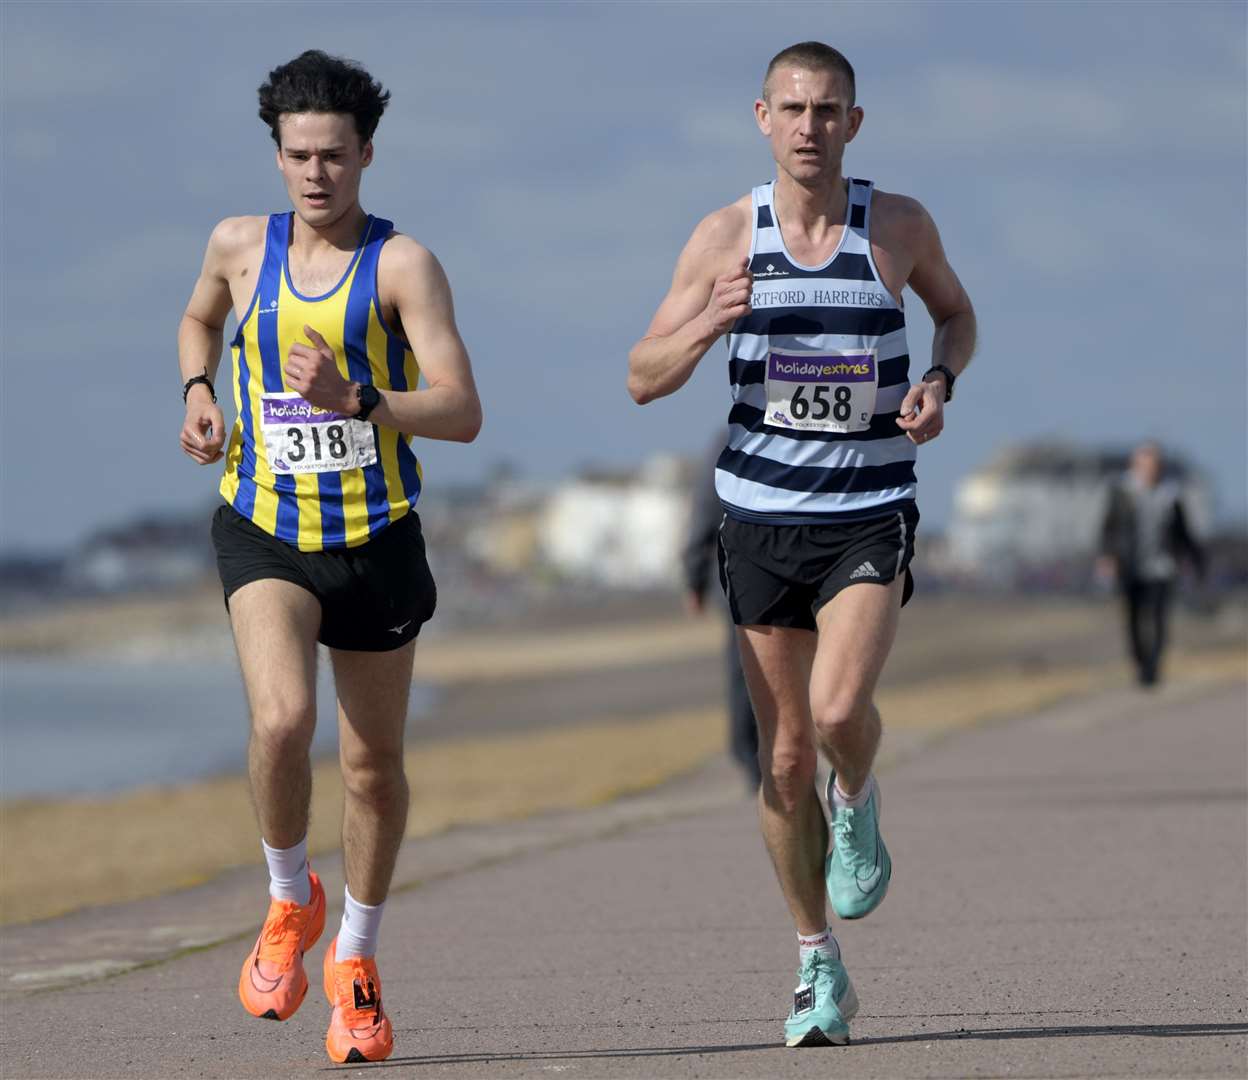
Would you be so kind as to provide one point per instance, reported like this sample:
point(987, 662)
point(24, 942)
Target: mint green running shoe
point(858, 867)
point(823, 1004)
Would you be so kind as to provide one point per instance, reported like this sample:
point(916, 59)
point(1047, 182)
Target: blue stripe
point(245, 496)
point(271, 360)
point(355, 340)
point(811, 479)
point(749, 372)
point(395, 353)
point(883, 426)
point(847, 266)
point(864, 321)
point(333, 521)
point(838, 517)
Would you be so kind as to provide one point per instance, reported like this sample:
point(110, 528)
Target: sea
point(98, 724)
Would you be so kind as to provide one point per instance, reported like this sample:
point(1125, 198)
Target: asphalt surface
point(1069, 899)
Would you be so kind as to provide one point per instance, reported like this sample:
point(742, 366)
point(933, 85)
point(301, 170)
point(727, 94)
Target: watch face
point(368, 398)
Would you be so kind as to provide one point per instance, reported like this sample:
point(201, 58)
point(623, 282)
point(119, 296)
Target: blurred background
point(1085, 163)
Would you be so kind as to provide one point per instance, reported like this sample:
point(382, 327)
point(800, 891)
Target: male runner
point(804, 275)
point(318, 539)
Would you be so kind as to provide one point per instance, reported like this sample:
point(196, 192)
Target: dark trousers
point(1148, 608)
point(742, 729)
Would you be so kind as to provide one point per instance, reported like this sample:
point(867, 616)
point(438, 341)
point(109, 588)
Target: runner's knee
point(281, 729)
point(788, 773)
point(374, 776)
point(838, 715)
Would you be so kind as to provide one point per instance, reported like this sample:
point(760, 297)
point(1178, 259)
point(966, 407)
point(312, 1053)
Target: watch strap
point(368, 397)
point(950, 379)
point(186, 387)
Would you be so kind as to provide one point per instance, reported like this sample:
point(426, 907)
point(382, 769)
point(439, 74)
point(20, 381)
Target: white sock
point(839, 798)
point(288, 872)
point(822, 942)
point(357, 936)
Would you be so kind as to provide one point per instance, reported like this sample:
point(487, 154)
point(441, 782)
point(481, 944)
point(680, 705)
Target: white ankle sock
point(288, 872)
point(822, 942)
point(839, 798)
point(357, 936)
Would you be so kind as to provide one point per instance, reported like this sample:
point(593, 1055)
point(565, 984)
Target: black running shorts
point(374, 597)
point(781, 575)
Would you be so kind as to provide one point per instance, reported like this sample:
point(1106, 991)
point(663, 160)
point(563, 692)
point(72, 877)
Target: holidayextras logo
point(847, 368)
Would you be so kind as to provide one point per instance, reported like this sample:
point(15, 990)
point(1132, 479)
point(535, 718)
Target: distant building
point(149, 553)
point(619, 529)
point(1034, 513)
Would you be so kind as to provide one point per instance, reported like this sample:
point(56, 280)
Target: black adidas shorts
point(374, 597)
point(781, 575)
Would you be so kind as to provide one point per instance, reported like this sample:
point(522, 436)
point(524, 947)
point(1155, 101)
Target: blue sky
point(1085, 163)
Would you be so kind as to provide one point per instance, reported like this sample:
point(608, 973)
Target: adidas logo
point(865, 570)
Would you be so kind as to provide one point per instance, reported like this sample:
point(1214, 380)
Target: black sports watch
point(368, 397)
point(950, 379)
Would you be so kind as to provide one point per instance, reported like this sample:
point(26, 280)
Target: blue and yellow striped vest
point(319, 510)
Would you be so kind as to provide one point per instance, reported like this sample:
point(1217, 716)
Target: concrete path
point(1069, 899)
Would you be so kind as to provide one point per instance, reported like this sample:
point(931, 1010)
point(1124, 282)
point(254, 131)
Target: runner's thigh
point(777, 664)
point(856, 631)
point(373, 689)
point(275, 625)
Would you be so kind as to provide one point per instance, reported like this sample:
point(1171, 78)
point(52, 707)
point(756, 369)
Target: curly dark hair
point(315, 82)
point(811, 56)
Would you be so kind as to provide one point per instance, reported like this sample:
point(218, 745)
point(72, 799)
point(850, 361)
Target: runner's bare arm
point(710, 290)
point(953, 343)
point(449, 407)
point(411, 282)
point(200, 336)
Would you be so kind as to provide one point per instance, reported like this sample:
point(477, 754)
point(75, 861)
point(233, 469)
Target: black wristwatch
point(196, 381)
point(950, 378)
point(368, 397)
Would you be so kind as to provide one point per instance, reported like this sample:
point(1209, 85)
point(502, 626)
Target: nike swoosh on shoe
point(867, 884)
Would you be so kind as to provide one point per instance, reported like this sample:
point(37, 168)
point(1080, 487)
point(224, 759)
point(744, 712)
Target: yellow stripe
point(265, 513)
point(388, 440)
point(292, 315)
point(411, 369)
point(354, 493)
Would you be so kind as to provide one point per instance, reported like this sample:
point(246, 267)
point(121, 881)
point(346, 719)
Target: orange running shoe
point(273, 983)
point(359, 1029)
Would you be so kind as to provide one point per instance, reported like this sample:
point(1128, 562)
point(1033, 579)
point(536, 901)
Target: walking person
point(699, 556)
point(1144, 538)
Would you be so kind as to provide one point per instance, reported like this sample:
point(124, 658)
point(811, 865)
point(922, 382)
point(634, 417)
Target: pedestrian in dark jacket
point(1144, 539)
point(699, 556)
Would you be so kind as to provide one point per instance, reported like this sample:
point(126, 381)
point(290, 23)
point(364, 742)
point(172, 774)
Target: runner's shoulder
point(235, 235)
point(404, 259)
point(727, 227)
point(902, 216)
point(406, 254)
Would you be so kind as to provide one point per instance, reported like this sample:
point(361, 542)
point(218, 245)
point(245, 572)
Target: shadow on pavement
point(1169, 1031)
point(568, 1055)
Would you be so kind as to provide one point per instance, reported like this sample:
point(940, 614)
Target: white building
point(1040, 506)
point(623, 530)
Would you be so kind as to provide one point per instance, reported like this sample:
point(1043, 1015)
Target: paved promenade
point(1069, 899)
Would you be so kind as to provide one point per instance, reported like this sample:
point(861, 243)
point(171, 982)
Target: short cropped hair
point(315, 82)
point(812, 56)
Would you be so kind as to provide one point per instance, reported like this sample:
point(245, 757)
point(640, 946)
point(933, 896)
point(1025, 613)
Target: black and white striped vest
point(818, 370)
